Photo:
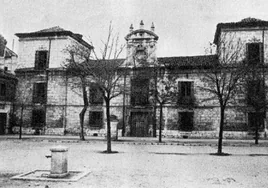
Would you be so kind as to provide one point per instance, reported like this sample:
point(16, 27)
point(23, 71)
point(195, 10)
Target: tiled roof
point(6, 75)
point(188, 62)
point(247, 22)
point(55, 31)
point(52, 29)
point(9, 53)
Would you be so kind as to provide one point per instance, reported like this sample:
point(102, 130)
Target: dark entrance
point(38, 120)
point(139, 124)
point(186, 121)
point(3, 122)
point(256, 120)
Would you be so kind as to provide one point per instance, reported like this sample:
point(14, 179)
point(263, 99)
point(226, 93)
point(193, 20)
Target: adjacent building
point(8, 61)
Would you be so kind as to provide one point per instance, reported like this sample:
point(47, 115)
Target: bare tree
point(22, 101)
point(79, 54)
point(255, 98)
point(223, 79)
point(164, 91)
point(104, 72)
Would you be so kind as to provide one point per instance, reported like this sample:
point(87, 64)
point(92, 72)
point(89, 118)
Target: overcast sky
point(184, 27)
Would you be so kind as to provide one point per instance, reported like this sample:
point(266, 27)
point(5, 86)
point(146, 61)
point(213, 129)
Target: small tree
point(22, 101)
point(104, 71)
point(165, 92)
point(223, 79)
point(255, 98)
point(77, 55)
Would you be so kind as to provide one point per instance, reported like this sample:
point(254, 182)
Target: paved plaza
point(138, 163)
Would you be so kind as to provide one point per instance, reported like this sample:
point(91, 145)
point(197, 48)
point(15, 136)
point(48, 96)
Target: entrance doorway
point(3, 122)
point(256, 120)
point(139, 124)
point(186, 121)
point(38, 120)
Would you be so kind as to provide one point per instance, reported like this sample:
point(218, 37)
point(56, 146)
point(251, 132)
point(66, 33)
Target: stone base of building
point(165, 133)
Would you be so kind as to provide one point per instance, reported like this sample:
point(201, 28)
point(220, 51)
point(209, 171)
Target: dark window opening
point(256, 94)
point(256, 120)
point(39, 93)
point(95, 95)
point(140, 92)
point(41, 60)
point(95, 119)
point(254, 53)
point(185, 93)
point(3, 89)
point(186, 89)
point(186, 121)
point(38, 118)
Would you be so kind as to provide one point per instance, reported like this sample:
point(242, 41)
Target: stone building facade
point(53, 105)
point(8, 60)
point(50, 104)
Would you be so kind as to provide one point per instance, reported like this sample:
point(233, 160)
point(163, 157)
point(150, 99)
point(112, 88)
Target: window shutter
point(34, 92)
point(192, 89)
point(179, 90)
point(36, 63)
point(101, 119)
point(179, 120)
point(45, 93)
point(261, 53)
point(247, 52)
point(47, 59)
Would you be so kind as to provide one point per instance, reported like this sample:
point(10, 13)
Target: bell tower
point(141, 46)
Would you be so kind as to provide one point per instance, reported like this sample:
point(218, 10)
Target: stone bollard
point(59, 162)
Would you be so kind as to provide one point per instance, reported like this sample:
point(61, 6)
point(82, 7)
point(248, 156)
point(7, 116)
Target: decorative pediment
point(254, 40)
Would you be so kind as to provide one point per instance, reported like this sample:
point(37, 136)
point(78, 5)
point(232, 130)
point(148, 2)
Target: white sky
point(184, 27)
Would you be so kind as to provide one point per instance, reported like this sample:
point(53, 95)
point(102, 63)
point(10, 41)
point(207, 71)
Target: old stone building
point(53, 105)
point(8, 60)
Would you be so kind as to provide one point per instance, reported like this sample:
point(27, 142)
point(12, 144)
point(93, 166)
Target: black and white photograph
point(133, 93)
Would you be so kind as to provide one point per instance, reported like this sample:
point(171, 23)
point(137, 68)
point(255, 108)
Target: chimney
point(131, 28)
point(152, 27)
point(141, 25)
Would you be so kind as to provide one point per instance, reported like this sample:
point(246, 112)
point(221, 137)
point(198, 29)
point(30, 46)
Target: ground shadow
point(220, 154)
point(212, 154)
point(105, 152)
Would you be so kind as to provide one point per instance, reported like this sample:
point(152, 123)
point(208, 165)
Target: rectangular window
point(185, 93)
point(254, 53)
point(38, 118)
point(96, 119)
point(39, 93)
point(3, 89)
point(41, 60)
point(256, 94)
point(139, 91)
point(256, 120)
point(186, 89)
point(95, 95)
point(186, 121)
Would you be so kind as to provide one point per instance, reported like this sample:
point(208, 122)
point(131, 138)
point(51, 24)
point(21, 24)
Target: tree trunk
point(109, 145)
point(21, 120)
point(221, 131)
point(257, 133)
point(160, 123)
point(81, 116)
point(155, 104)
point(124, 108)
point(82, 113)
point(154, 120)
